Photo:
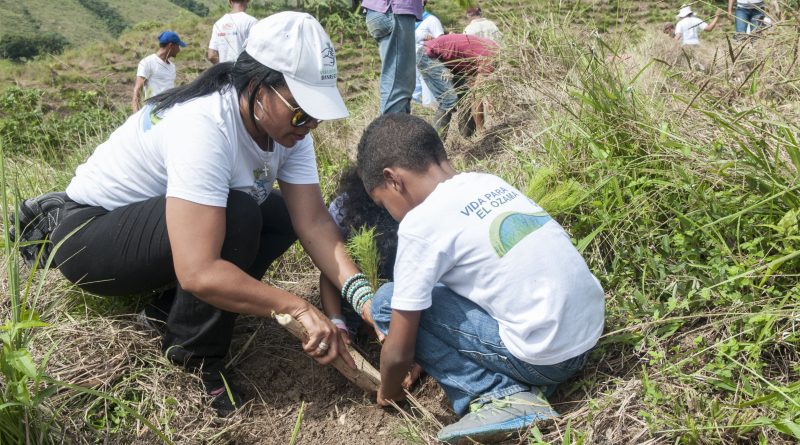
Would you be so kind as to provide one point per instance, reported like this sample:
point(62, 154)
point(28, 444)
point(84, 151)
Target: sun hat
point(170, 37)
point(685, 11)
point(295, 44)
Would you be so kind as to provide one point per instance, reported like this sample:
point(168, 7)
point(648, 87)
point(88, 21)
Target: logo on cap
point(328, 70)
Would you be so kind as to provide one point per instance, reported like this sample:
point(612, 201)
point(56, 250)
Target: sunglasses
point(300, 117)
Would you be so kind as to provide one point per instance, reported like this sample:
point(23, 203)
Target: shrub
point(192, 6)
point(19, 47)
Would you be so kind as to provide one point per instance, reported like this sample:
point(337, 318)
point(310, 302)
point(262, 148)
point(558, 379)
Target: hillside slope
point(80, 25)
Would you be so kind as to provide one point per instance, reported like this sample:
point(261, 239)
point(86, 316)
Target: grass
point(678, 184)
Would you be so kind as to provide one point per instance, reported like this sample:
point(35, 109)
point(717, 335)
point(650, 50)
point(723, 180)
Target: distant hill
point(86, 21)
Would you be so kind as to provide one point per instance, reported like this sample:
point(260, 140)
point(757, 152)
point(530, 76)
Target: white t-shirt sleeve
point(214, 42)
point(300, 164)
point(199, 162)
point(418, 268)
point(702, 26)
point(436, 28)
point(145, 68)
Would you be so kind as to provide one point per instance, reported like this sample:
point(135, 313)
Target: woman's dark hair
point(244, 75)
point(357, 210)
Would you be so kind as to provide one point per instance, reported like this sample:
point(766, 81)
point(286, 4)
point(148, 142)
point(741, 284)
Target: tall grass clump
point(26, 416)
point(680, 187)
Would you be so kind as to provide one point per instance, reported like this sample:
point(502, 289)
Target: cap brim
point(321, 102)
point(181, 44)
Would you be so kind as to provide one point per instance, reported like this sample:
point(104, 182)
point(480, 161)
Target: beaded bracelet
point(350, 281)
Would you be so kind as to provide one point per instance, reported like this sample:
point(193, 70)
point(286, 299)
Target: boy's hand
point(386, 399)
point(412, 376)
point(366, 315)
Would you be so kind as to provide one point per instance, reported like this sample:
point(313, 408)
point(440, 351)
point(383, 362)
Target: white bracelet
point(339, 323)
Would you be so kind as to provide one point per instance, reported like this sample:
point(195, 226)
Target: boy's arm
point(713, 23)
point(397, 354)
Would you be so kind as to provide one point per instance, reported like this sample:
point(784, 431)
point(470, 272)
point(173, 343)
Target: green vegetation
point(678, 184)
point(192, 6)
point(363, 249)
point(17, 47)
point(113, 21)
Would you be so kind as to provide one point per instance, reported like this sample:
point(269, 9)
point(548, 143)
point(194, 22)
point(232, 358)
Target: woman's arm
point(196, 233)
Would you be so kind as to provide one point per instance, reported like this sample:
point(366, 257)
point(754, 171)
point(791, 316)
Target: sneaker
point(496, 420)
point(225, 399)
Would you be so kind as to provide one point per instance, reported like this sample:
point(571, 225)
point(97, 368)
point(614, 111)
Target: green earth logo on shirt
point(511, 227)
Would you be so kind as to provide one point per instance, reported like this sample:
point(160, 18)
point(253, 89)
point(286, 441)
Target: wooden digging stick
point(365, 376)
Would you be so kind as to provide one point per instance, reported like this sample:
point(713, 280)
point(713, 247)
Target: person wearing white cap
point(688, 28)
point(180, 198)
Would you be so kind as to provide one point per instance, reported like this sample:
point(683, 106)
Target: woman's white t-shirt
point(197, 151)
point(486, 241)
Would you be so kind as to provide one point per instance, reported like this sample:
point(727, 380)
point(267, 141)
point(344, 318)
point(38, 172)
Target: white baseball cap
point(295, 44)
point(684, 12)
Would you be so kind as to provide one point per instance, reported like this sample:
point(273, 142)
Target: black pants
point(126, 251)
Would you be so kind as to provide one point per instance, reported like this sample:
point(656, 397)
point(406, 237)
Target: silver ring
point(323, 346)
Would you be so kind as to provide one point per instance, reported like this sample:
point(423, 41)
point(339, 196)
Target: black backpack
point(38, 217)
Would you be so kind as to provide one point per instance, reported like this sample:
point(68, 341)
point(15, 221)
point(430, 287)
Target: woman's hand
point(324, 342)
point(344, 340)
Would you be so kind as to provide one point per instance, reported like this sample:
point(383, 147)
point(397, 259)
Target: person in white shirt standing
point(229, 33)
point(428, 28)
point(480, 26)
point(156, 73)
point(688, 28)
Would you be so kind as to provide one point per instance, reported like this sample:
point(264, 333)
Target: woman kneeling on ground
point(181, 195)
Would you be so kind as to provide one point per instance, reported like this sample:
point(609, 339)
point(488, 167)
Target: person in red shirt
point(469, 58)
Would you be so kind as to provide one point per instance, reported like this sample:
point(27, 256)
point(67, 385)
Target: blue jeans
point(436, 77)
point(459, 345)
point(395, 36)
point(748, 16)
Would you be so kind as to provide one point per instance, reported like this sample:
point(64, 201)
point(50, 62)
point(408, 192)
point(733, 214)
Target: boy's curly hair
point(357, 210)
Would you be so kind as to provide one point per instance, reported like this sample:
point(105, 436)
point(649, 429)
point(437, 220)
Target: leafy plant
point(362, 247)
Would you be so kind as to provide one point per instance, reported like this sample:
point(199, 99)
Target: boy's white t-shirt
point(486, 241)
point(689, 28)
point(160, 75)
point(229, 34)
point(197, 151)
